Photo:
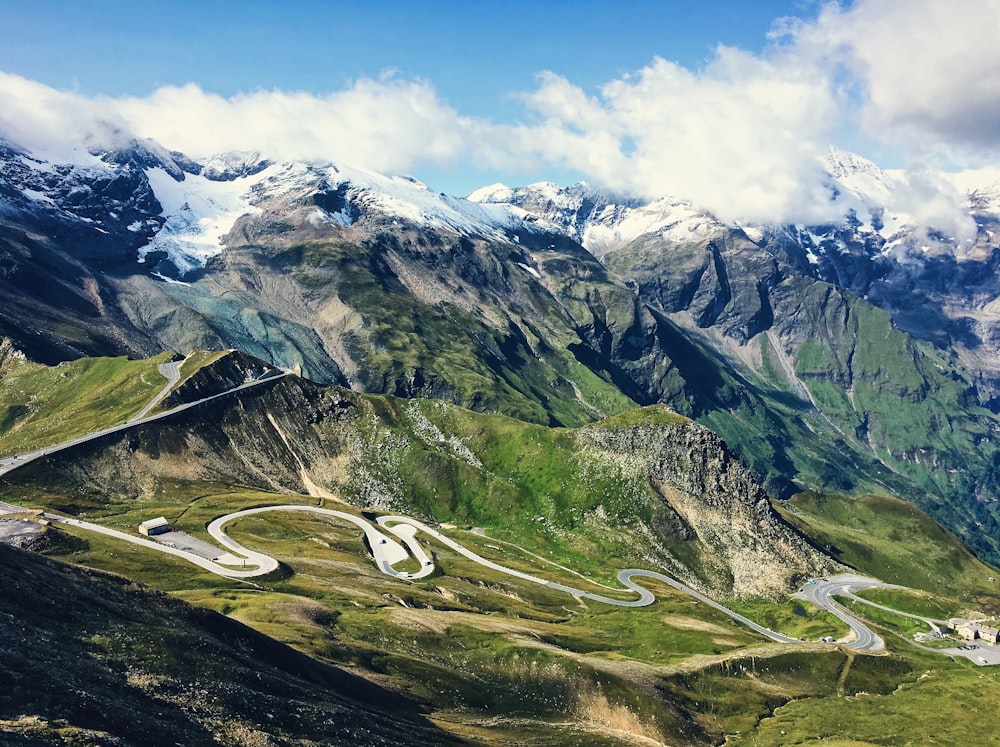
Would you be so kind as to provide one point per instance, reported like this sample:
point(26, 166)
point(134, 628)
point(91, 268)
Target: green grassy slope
point(895, 542)
point(938, 703)
point(45, 405)
point(493, 343)
point(494, 660)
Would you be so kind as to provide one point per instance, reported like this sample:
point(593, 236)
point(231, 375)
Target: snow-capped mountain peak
point(225, 167)
point(492, 193)
point(599, 220)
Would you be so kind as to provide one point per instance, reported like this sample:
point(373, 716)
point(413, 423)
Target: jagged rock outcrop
point(717, 501)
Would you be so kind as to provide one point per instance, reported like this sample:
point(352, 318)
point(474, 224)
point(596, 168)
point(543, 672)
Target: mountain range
point(569, 381)
point(852, 357)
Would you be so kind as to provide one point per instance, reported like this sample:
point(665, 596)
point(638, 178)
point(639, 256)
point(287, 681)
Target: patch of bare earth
point(604, 717)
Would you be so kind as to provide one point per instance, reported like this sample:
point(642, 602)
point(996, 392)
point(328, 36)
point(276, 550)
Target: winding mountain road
point(398, 543)
point(821, 594)
point(172, 371)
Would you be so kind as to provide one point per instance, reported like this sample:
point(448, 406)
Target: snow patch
point(493, 193)
point(233, 165)
point(198, 213)
point(601, 222)
point(530, 270)
point(37, 196)
point(408, 199)
point(171, 281)
point(319, 217)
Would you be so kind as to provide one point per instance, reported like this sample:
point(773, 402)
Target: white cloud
point(385, 125)
point(54, 122)
point(743, 137)
point(928, 71)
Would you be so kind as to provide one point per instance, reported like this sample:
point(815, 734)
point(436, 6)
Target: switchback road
point(172, 371)
point(821, 594)
point(398, 543)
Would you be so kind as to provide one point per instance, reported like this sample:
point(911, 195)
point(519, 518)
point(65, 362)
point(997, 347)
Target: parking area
point(981, 654)
point(184, 541)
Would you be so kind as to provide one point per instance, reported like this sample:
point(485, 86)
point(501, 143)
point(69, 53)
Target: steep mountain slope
point(882, 535)
point(919, 245)
point(379, 284)
point(359, 279)
point(92, 658)
point(649, 473)
point(788, 365)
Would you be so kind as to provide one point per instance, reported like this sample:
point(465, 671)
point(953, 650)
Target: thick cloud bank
point(744, 136)
point(928, 72)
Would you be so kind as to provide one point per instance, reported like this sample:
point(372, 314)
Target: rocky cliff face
point(717, 503)
point(271, 437)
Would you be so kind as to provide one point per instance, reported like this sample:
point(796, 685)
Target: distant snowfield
point(199, 213)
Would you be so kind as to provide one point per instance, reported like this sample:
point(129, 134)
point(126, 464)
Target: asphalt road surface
point(393, 539)
point(172, 371)
point(398, 542)
point(821, 593)
point(11, 463)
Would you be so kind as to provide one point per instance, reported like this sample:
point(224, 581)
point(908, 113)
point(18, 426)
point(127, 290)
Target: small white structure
point(989, 634)
point(154, 526)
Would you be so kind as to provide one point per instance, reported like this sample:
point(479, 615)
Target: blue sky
point(644, 98)
point(477, 55)
point(474, 52)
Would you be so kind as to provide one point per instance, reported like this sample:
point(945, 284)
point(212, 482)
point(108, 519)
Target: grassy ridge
point(538, 487)
point(42, 405)
point(914, 603)
point(895, 542)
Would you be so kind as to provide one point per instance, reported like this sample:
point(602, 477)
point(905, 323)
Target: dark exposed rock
point(719, 501)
